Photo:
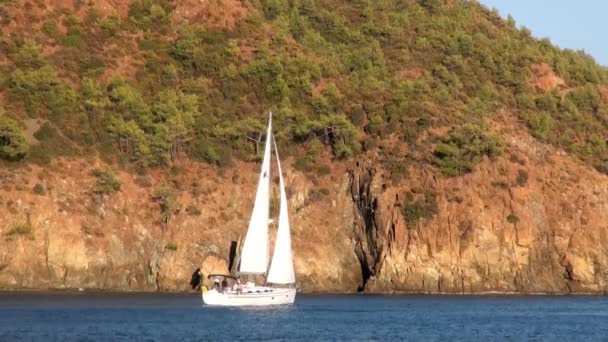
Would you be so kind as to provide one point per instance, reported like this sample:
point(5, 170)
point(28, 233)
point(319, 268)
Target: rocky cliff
point(75, 238)
point(532, 221)
point(529, 221)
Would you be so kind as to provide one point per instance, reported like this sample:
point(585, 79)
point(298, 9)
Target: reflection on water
point(181, 317)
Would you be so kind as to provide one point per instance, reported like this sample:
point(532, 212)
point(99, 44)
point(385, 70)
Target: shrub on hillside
point(585, 98)
point(12, 142)
point(422, 208)
point(193, 210)
point(36, 84)
point(53, 142)
point(171, 246)
point(167, 202)
point(522, 178)
point(39, 189)
point(39, 155)
point(512, 218)
point(541, 125)
point(19, 229)
point(107, 182)
point(462, 148)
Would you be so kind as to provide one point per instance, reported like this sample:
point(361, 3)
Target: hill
point(453, 151)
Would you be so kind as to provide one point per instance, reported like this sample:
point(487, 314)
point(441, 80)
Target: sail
point(281, 266)
point(254, 256)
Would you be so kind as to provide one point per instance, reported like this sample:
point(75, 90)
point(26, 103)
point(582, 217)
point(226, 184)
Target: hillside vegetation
point(143, 87)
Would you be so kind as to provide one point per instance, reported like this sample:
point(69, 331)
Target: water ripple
point(164, 317)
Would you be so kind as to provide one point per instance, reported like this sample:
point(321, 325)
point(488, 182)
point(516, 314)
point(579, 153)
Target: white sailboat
point(254, 255)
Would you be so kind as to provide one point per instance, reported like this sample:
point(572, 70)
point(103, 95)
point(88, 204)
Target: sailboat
point(280, 278)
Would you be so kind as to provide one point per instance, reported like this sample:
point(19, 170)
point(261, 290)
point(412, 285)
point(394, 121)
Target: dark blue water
point(162, 317)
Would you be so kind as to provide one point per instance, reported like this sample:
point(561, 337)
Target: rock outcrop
point(544, 78)
point(533, 221)
point(118, 242)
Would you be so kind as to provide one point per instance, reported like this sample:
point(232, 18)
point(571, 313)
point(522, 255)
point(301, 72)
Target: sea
point(85, 316)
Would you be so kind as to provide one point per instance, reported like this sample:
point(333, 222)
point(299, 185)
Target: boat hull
point(256, 296)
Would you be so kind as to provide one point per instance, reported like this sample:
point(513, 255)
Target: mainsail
point(254, 256)
point(281, 266)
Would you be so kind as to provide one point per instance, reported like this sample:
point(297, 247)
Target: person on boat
point(236, 287)
point(216, 283)
point(195, 281)
point(224, 285)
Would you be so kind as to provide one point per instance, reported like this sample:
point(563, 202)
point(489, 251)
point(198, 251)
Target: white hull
point(254, 296)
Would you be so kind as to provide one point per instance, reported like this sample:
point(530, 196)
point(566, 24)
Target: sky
point(572, 24)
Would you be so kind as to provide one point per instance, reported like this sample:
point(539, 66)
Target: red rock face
point(118, 242)
point(603, 92)
point(544, 79)
point(531, 221)
point(210, 13)
point(493, 230)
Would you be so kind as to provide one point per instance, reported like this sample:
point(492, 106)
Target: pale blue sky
point(572, 24)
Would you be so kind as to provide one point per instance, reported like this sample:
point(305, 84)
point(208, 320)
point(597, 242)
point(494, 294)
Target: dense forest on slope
point(146, 86)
